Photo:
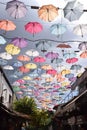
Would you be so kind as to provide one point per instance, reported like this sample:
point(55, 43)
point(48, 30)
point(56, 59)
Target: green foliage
point(39, 118)
point(25, 105)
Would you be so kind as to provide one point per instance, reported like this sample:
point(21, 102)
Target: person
point(23, 127)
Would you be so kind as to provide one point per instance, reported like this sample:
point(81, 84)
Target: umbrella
point(19, 42)
point(83, 46)
point(48, 12)
point(69, 75)
point(58, 29)
point(51, 71)
point(31, 66)
point(46, 67)
point(32, 53)
point(3, 62)
point(72, 60)
point(65, 71)
point(83, 54)
point(7, 25)
point(23, 58)
point(39, 59)
point(76, 67)
point(8, 67)
point(73, 11)
point(2, 40)
point(33, 27)
point(80, 29)
point(69, 54)
point(17, 64)
point(21, 81)
point(23, 69)
point(5, 55)
point(62, 45)
point(16, 9)
point(27, 78)
point(11, 49)
point(52, 55)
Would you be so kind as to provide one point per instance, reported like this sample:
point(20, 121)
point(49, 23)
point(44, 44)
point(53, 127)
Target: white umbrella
point(6, 56)
point(8, 67)
point(80, 29)
point(2, 40)
point(73, 11)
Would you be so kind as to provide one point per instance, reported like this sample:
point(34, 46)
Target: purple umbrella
point(19, 42)
point(52, 55)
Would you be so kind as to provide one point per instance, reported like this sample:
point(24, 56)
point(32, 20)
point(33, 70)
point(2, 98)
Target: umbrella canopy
point(31, 66)
point(65, 71)
point(23, 58)
point(80, 29)
point(19, 42)
point(8, 67)
point(83, 54)
point(6, 56)
point(72, 60)
point(76, 67)
point(58, 29)
point(23, 69)
point(46, 67)
point(11, 49)
point(62, 45)
point(32, 53)
point(39, 59)
point(2, 40)
point(52, 55)
point(51, 71)
point(48, 13)
point(83, 46)
point(73, 11)
point(7, 25)
point(16, 9)
point(33, 27)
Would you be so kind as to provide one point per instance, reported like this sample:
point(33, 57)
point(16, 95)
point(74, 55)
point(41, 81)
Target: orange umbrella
point(83, 54)
point(48, 12)
point(23, 69)
point(23, 58)
point(46, 67)
point(7, 25)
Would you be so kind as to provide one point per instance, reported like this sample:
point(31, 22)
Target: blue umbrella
point(2, 40)
point(58, 29)
point(3, 62)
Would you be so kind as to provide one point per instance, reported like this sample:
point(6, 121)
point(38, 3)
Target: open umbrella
point(19, 42)
point(63, 45)
point(76, 67)
point(83, 46)
point(7, 25)
point(46, 67)
point(51, 71)
point(3, 62)
point(73, 11)
point(32, 53)
point(52, 55)
point(31, 66)
point(8, 67)
point(33, 27)
point(71, 60)
point(11, 49)
point(2, 40)
point(6, 56)
point(23, 58)
point(83, 54)
point(39, 59)
point(16, 9)
point(80, 30)
point(23, 69)
point(58, 29)
point(48, 13)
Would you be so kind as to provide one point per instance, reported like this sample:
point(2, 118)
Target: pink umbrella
point(21, 81)
point(19, 42)
point(51, 71)
point(33, 27)
point(39, 59)
point(72, 60)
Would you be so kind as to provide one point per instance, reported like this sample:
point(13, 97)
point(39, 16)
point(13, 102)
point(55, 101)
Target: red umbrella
point(33, 27)
point(72, 60)
point(51, 71)
point(39, 59)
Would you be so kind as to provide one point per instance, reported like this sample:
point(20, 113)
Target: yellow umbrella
point(64, 83)
point(50, 79)
point(27, 78)
point(46, 67)
point(31, 66)
point(48, 12)
point(11, 49)
point(65, 71)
